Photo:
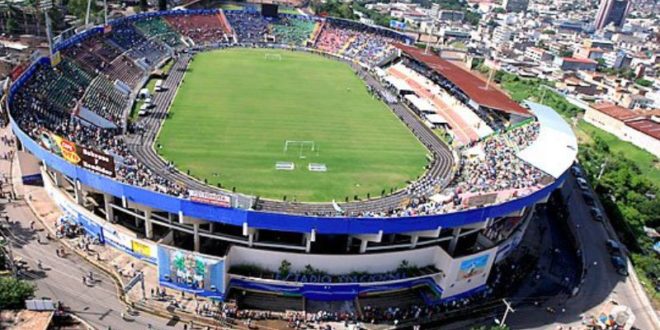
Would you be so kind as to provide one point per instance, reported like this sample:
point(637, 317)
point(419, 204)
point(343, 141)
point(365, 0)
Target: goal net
point(273, 57)
point(303, 148)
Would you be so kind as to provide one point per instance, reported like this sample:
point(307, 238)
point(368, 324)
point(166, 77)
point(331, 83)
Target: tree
point(11, 26)
point(499, 10)
point(285, 268)
point(644, 82)
point(78, 8)
point(566, 53)
point(472, 18)
point(13, 293)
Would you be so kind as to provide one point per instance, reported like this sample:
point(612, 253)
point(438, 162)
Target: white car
point(582, 183)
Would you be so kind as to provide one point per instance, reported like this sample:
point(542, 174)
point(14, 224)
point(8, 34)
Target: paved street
point(61, 279)
point(601, 282)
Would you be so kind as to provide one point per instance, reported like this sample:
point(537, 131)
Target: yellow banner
point(140, 248)
point(55, 59)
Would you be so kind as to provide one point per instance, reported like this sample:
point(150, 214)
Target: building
point(575, 64)
point(617, 60)
point(501, 34)
point(538, 54)
point(600, 44)
point(450, 16)
point(611, 11)
point(589, 53)
point(638, 128)
point(515, 6)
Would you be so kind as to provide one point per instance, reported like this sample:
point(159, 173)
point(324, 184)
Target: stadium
point(287, 161)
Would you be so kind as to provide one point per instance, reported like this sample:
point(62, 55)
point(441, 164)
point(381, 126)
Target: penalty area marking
point(304, 147)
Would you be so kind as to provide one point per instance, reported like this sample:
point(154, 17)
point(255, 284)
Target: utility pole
point(545, 89)
point(502, 323)
point(49, 33)
point(490, 78)
point(602, 169)
point(89, 8)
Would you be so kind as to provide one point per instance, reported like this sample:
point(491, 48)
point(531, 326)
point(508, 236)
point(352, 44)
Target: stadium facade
point(216, 243)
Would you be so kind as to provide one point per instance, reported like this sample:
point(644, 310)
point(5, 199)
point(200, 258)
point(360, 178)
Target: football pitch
point(236, 109)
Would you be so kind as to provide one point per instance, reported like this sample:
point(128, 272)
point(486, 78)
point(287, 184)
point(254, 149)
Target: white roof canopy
point(422, 104)
point(436, 119)
point(555, 149)
point(398, 84)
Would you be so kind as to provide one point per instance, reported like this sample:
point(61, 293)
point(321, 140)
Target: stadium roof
point(556, 147)
point(471, 85)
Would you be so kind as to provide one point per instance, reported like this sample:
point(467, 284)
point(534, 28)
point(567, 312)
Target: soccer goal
point(304, 148)
point(273, 56)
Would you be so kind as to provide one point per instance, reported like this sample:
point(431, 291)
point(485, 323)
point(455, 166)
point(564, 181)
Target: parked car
point(620, 265)
point(582, 183)
point(588, 199)
point(576, 170)
point(613, 247)
point(596, 214)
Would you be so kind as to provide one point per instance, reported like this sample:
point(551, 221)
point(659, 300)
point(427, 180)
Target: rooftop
point(615, 111)
point(579, 60)
point(647, 126)
point(474, 87)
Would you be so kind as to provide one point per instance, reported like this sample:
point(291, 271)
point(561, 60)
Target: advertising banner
point(117, 239)
point(210, 198)
point(55, 59)
point(472, 267)
point(190, 271)
point(86, 158)
point(18, 70)
point(140, 248)
point(397, 25)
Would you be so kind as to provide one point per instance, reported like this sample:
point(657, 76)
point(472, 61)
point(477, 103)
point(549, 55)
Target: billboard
point(472, 267)
point(394, 24)
point(55, 58)
point(86, 158)
point(210, 198)
point(190, 271)
point(18, 70)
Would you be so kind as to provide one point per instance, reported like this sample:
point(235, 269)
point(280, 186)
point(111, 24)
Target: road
point(61, 279)
point(601, 281)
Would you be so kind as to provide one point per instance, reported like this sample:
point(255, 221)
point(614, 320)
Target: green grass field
point(230, 120)
point(647, 162)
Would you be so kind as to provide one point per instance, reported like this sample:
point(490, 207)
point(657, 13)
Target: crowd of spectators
point(157, 27)
point(249, 27)
point(201, 28)
point(492, 165)
point(352, 40)
point(292, 30)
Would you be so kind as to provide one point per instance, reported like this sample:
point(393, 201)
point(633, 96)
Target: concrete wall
point(333, 264)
